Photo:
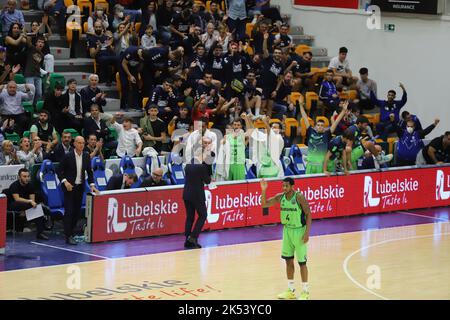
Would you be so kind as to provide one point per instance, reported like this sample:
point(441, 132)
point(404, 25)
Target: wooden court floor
point(411, 262)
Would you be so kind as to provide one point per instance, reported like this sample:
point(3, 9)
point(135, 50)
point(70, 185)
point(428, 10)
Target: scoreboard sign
point(410, 6)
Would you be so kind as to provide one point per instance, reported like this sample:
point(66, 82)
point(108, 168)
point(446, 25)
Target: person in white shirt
point(30, 155)
point(148, 40)
point(195, 139)
point(129, 141)
point(364, 86)
point(341, 68)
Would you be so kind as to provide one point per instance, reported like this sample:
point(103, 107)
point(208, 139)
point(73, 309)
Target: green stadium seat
point(28, 106)
point(27, 134)
point(113, 133)
point(55, 78)
point(13, 137)
point(73, 132)
point(39, 105)
point(19, 78)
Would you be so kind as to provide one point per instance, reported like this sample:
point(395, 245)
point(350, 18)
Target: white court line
point(423, 216)
point(70, 250)
point(345, 263)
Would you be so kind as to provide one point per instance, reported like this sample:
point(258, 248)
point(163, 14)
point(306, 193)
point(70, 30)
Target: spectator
point(72, 112)
point(410, 142)
point(129, 70)
point(225, 37)
point(57, 9)
point(389, 108)
point(365, 86)
point(129, 141)
point(193, 141)
point(39, 31)
point(236, 68)
point(63, 148)
point(94, 147)
point(8, 154)
point(33, 66)
point(28, 154)
point(7, 72)
point(155, 180)
point(179, 26)
point(16, 44)
point(215, 13)
point(8, 125)
point(91, 94)
point(123, 38)
point(45, 131)
point(338, 154)
point(121, 181)
point(152, 129)
point(98, 15)
point(405, 117)
point(328, 94)
point(11, 15)
point(183, 122)
point(304, 78)
point(216, 65)
point(101, 49)
point(163, 97)
point(54, 104)
point(163, 19)
point(341, 69)
point(11, 105)
point(436, 152)
point(252, 96)
point(149, 18)
point(259, 37)
point(283, 39)
point(24, 198)
point(283, 105)
point(148, 40)
point(236, 17)
point(210, 36)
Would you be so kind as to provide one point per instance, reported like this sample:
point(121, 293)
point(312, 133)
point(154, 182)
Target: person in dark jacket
point(121, 181)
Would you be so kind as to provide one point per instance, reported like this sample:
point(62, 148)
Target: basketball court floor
point(401, 255)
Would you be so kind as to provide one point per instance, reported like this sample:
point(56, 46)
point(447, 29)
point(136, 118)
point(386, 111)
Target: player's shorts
point(236, 172)
point(315, 163)
point(292, 244)
point(357, 153)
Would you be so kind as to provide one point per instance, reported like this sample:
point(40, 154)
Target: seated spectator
point(101, 49)
point(252, 96)
point(162, 96)
point(45, 131)
point(341, 69)
point(16, 45)
point(121, 181)
point(149, 19)
point(72, 114)
point(63, 148)
point(34, 65)
point(304, 78)
point(364, 87)
point(225, 36)
point(94, 147)
point(405, 117)
point(389, 108)
point(8, 154)
point(11, 105)
point(183, 121)
point(98, 14)
point(10, 15)
point(129, 141)
point(410, 142)
point(155, 180)
point(28, 154)
point(209, 37)
point(7, 126)
point(283, 39)
point(328, 94)
point(283, 105)
point(152, 129)
point(436, 152)
point(24, 198)
point(148, 40)
point(91, 94)
point(7, 72)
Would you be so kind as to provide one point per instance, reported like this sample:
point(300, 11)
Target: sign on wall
point(8, 174)
point(348, 4)
point(410, 6)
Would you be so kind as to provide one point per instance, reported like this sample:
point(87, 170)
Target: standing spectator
point(209, 37)
point(163, 18)
point(365, 86)
point(152, 129)
point(149, 18)
point(11, 105)
point(16, 45)
point(11, 15)
point(56, 8)
point(283, 105)
point(72, 112)
point(94, 147)
point(436, 152)
point(260, 36)
point(179, 26)
point(341, 69)
point(235, 69)
point(405, 117)
point(389, 108)
point(215, 13)
point(24, 198)
point(410, 142)
point(28, 154)
point(129, 70)
point(34, 64)
point(236, 17)
point(8, 154)
point(45, 131)
point(54, 104)
point(91, 94)
point(40, 30)
point(123, 38)
point(129, 141)
point(71, 172)
point(63, 148)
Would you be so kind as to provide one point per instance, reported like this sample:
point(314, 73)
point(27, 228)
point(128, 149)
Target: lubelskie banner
point(154, 212)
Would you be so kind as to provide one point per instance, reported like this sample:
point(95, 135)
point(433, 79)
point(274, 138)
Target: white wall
point(415, 54)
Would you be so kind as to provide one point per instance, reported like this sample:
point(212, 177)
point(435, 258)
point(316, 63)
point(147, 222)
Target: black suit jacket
point(65, 102)
point(90, 127)
point(148, 182)
point(57, 154)
point(115, 182)
point(196, 176)
point(67, 168)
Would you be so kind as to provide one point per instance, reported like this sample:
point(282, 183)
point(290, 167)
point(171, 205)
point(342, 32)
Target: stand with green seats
point(19, 78)
point(54, 78)
point(73, 132)
point(13, 137)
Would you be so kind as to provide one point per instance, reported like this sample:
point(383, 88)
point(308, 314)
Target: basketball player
point(296, 220)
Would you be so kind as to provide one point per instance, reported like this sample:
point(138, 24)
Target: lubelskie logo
point(441, 193)
point(212, 217)
point(369, 200)
point(113, 225)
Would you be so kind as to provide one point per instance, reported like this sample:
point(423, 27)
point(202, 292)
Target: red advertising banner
point(2, 223)
point(143, 213)
point(348, 4)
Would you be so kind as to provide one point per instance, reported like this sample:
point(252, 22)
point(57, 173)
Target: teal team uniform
point(237, 157)
point(358, 149)
point(317, 150)
point(294, 227)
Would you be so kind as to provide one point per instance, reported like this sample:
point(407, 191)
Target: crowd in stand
point(181, 62)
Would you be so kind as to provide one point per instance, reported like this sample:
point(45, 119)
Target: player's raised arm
point(265, 203)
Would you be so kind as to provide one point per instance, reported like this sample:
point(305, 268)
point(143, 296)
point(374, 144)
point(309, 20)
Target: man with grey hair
point(11, 105)
point(155, 180)
point(92, 94)
point(9, 15)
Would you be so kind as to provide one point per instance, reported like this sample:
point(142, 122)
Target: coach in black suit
point(71, 173)
point(121, 181)
point(197, 174)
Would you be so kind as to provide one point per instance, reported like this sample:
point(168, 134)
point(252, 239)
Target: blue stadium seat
point(100, 179)
point(297, 165)
point(127, 165)
point(51, 188)
point(250, 170)
point(287, 163)
point(176, 171)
